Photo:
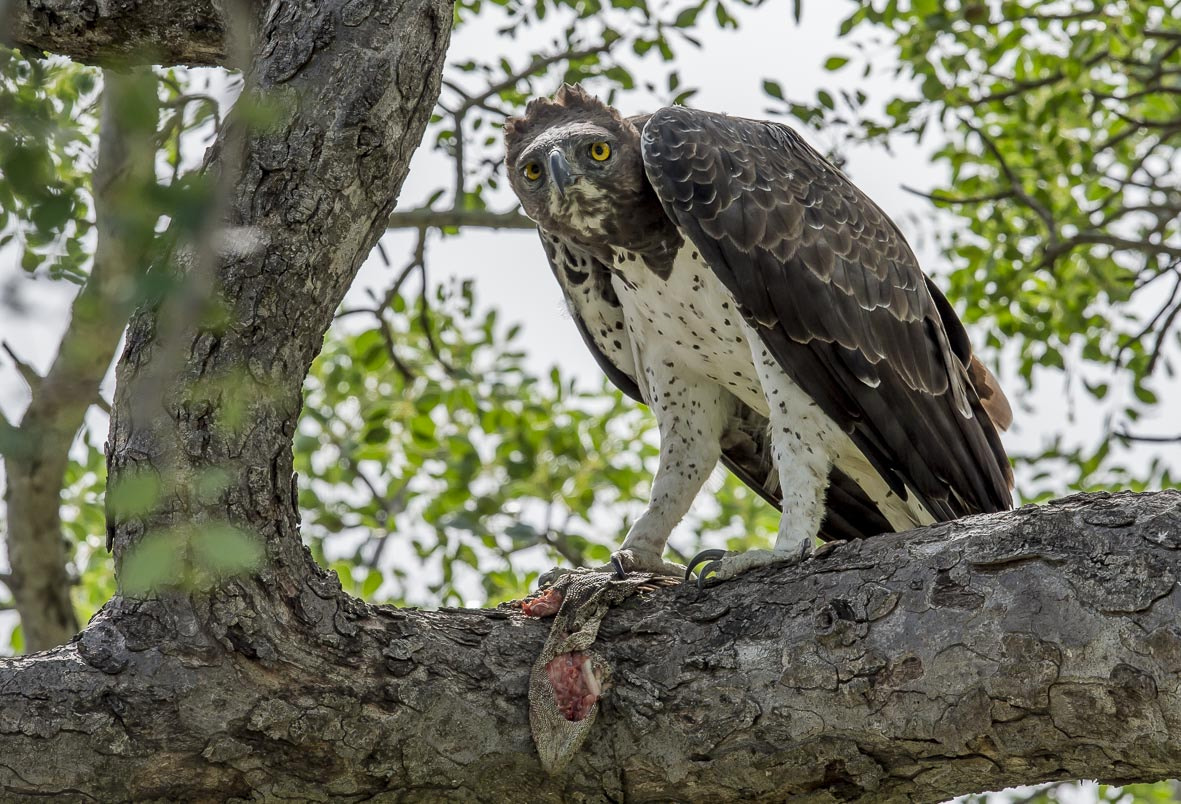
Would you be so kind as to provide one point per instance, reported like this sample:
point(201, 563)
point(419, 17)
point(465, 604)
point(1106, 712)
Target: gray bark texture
point(1035, 645)
point(114, 33)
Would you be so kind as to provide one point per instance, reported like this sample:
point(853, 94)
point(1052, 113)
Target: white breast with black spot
point(581, 279)
point(691, 317)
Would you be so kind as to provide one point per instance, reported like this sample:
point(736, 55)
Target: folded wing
point(831, 287)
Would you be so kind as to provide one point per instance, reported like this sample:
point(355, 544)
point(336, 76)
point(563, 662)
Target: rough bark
point(1036, 645)
point(344, 91)
point(118, 33)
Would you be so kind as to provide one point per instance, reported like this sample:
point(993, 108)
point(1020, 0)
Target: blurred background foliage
point(50, 125)
point(433, 431)
point(438, 467)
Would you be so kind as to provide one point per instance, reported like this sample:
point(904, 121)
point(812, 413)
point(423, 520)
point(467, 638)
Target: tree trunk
point(1034, 645)
point(1030, 646)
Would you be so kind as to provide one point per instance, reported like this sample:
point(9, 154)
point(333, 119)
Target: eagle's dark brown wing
point(585, 282)
point(832, 288)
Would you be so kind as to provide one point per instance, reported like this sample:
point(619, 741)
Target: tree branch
point(1035, 645)
point(1017, 186)
point(1124, 435)
point(118, 34)
point(28, 373)
point(457, 218)
point(329, 80)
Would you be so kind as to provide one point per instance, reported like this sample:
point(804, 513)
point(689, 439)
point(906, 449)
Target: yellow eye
point(531, 171)
point(600, 151)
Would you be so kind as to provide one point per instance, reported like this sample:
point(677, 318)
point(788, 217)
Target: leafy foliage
point(1158, 793)
point(84, 524)
point(45, 143)
point(437, 467)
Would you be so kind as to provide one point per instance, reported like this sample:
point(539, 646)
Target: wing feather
point(838, 297)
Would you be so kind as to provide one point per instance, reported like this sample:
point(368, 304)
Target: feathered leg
point(802, 441)
point(691, 415)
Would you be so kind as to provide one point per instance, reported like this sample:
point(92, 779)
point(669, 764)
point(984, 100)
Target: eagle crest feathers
point(571, 102)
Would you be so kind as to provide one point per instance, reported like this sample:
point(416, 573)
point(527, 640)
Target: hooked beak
point(559, 170)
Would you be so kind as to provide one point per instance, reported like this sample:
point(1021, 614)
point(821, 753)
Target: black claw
point(704, 555)
point(704, 574)
point(620, 572)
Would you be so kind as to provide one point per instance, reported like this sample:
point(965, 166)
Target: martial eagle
point(769, 313)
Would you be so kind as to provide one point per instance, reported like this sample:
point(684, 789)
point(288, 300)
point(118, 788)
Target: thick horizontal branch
point(118, 34)
point(1035, 645)
point(459, 218)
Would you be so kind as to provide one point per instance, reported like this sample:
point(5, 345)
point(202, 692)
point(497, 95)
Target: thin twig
point(1147, 328)
point(424, 320)
point(1018, 189)
point(560, 541)
point(1172, 36)
point(1122, 243)
point(391, 349)
point(392, 506)
point(1161, 334)
point(27, 372)
point(1171, 268)
point(536, 66)
point(459, 218)
point(1124, 435)
point(949, 199)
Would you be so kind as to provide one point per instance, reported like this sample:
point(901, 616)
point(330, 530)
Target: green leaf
point(688, 17)
point(156, 561)
point(223, 551)
point(134, 495)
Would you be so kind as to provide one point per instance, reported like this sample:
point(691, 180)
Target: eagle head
point(575, 164)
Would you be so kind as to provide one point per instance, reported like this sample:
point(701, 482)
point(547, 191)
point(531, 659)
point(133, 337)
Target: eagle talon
point(617, 563)
point(712, 556)
point(807, 550)
point(705, 577)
